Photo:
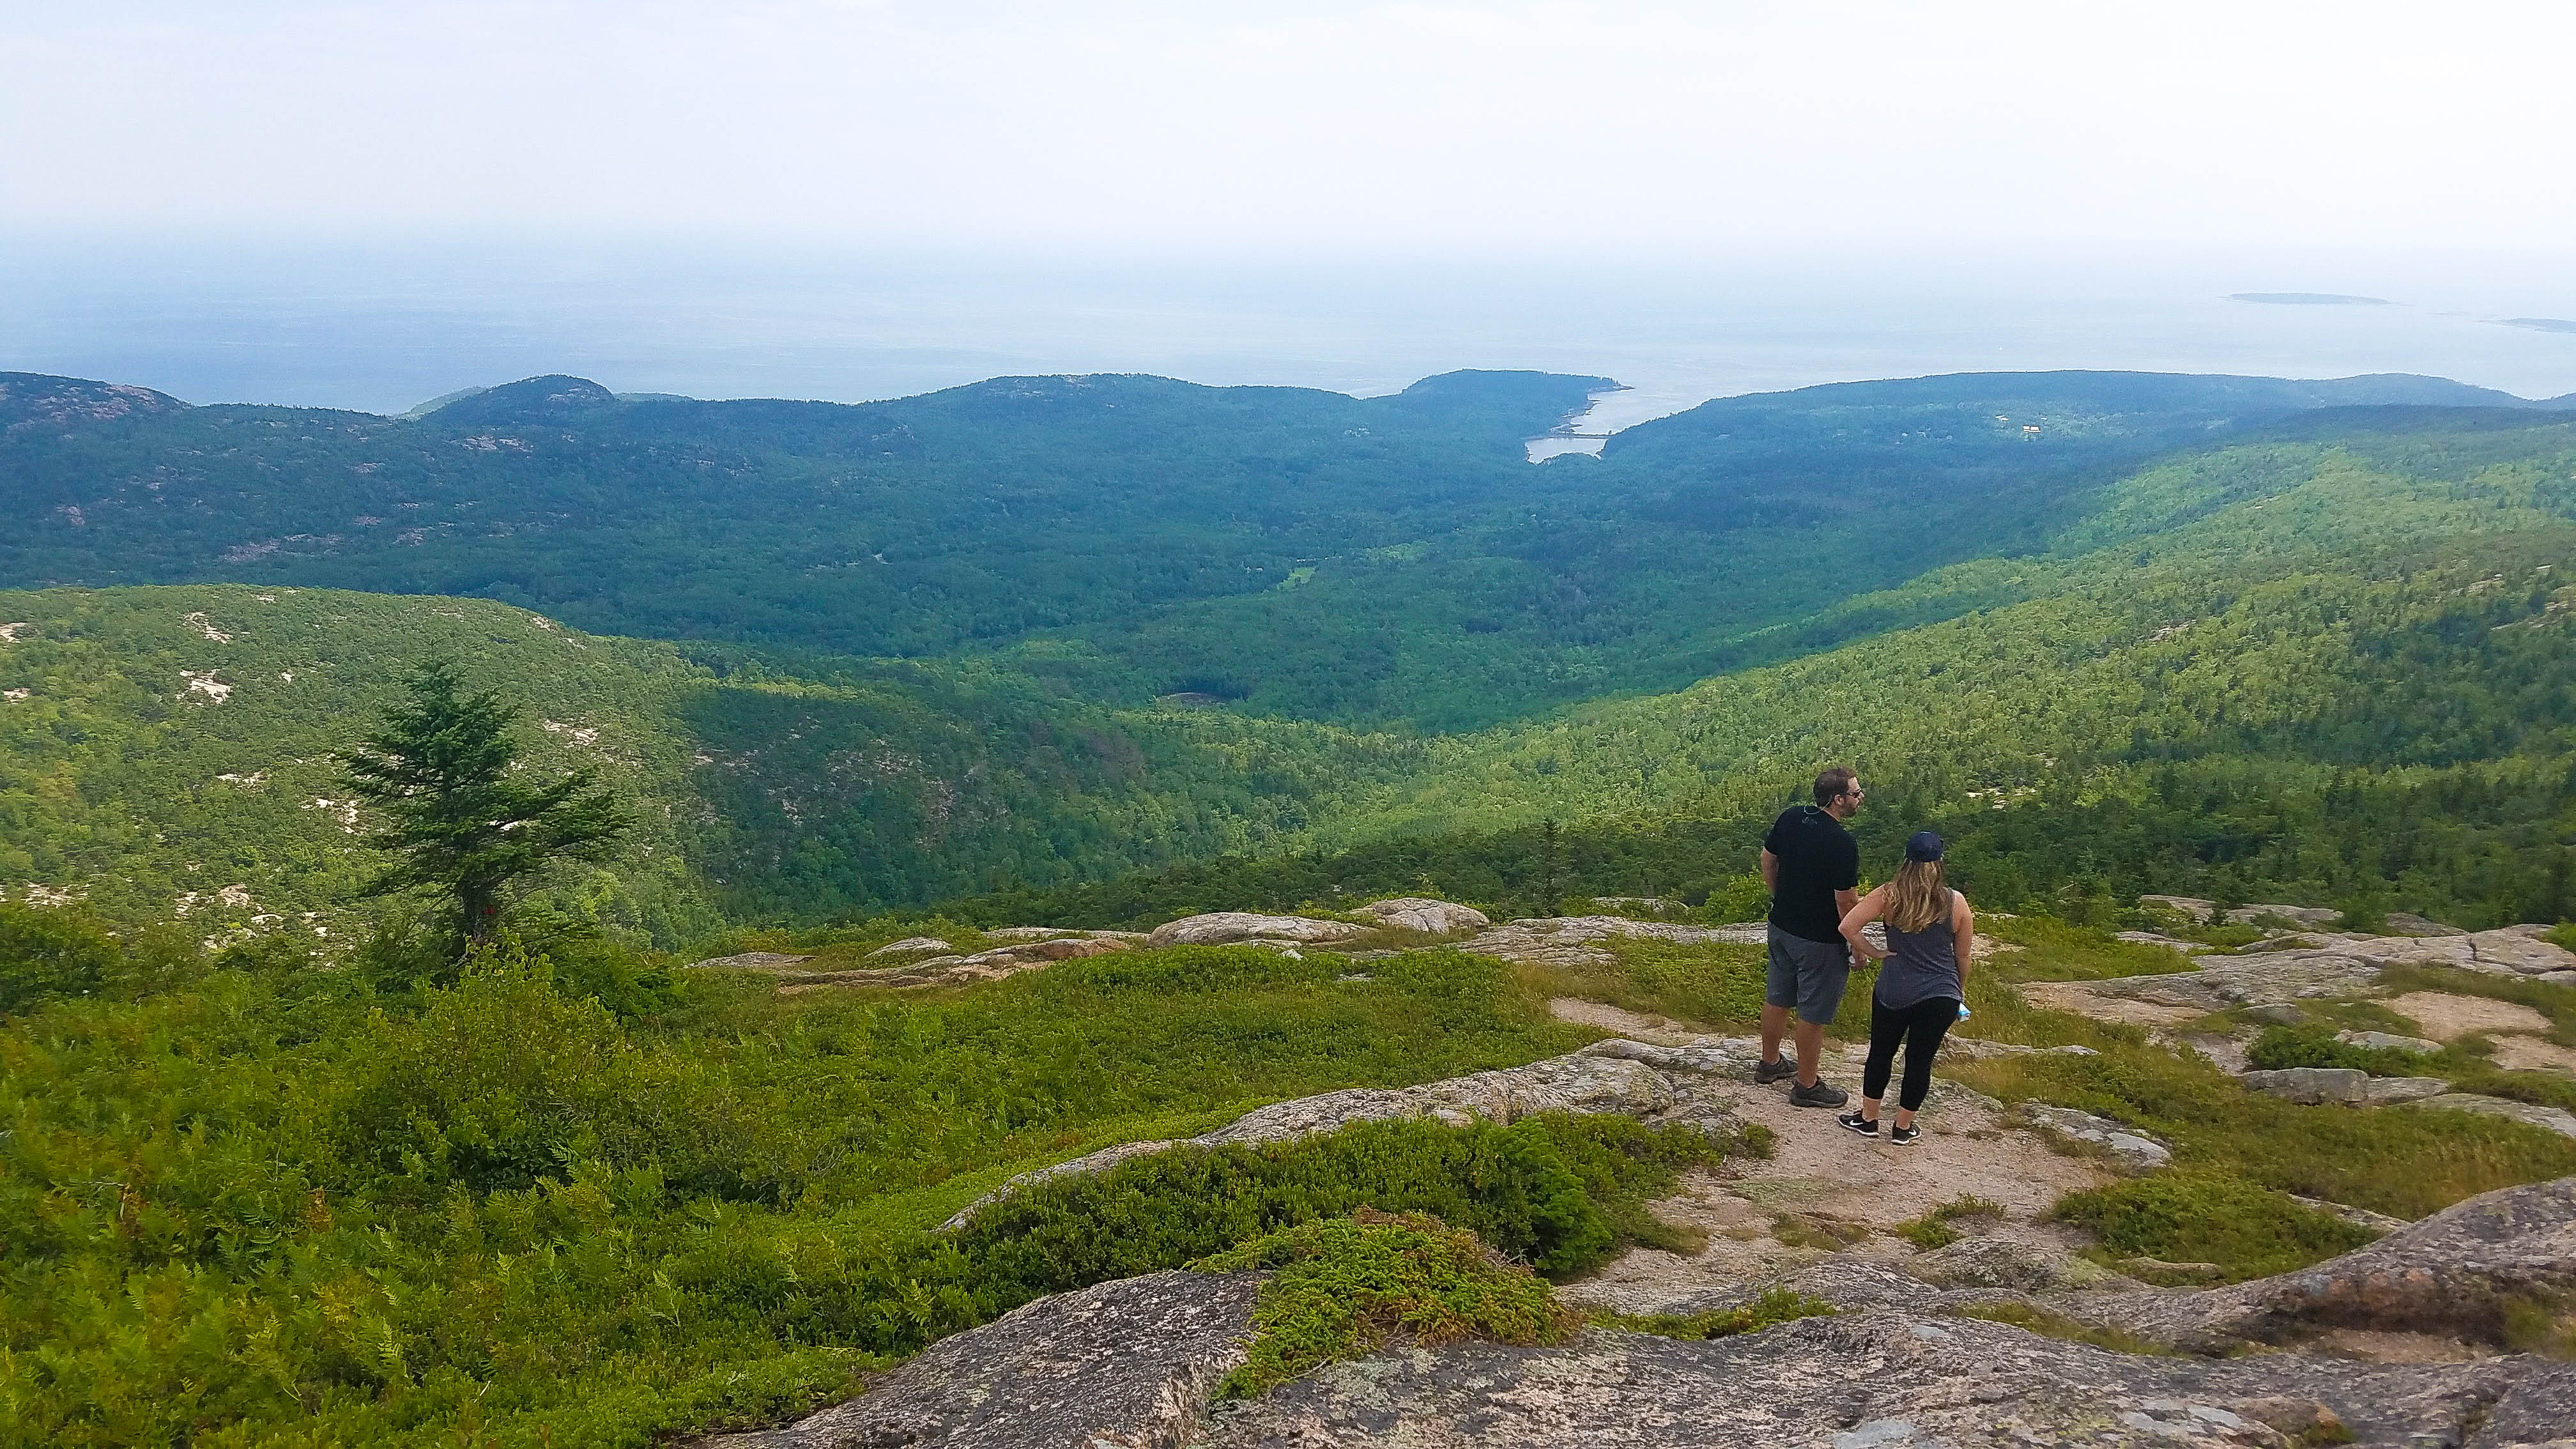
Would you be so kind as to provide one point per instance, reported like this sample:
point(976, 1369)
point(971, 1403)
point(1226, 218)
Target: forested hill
point(2327, 659)
point(1371, 562)
point(908, 527)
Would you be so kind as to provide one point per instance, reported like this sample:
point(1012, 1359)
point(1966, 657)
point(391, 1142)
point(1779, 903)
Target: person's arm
point(1860, 914)
point(1963, 932)
point(1844, 900)
point(1770, 871)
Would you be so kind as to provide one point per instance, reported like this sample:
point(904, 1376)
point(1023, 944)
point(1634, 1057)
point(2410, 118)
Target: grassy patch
point(2543, 1326)
point(1818, 1230)
point(2246, 1229)
point(1344, 1287)
point(2057, 1325)
point(1937, 1228)
point(1775, 1306)
point(1709, 985)
point(2408, 1163)
point(2055, 950)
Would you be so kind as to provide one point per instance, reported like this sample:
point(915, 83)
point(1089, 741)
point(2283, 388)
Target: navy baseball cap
point(1925, 846)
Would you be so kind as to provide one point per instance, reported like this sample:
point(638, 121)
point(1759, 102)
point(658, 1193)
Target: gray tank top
point(1921, 965)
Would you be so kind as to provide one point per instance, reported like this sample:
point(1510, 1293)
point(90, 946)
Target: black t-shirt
point(1817, 858)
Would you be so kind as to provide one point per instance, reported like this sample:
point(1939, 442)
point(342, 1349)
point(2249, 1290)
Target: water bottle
point(1963, 1011)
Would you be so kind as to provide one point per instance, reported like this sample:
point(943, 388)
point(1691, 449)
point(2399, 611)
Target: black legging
point(1921, 1027)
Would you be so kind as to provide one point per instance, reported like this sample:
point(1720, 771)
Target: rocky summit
point(1907, 1362)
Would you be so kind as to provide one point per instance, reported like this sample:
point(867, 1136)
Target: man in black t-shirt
point(1812, 865)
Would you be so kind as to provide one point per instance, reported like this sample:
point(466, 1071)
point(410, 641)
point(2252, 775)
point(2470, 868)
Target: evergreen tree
point(445, 768)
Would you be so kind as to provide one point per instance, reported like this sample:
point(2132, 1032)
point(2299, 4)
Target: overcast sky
point(1350, 124)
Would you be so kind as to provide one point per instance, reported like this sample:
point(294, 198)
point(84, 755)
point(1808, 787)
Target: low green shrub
point(2281, 1047)
point(1737, 898)
point(1935, 1229)
point(1559, 1192)
point(1343, 1287)
point(1775, 1306)
point(49, 954)
point(2248, 1230)
point(2060, 950)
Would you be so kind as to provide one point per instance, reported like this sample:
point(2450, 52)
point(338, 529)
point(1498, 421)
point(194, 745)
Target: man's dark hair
point(1832, 785)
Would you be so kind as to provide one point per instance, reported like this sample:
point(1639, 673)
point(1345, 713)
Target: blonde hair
point(1918, 897)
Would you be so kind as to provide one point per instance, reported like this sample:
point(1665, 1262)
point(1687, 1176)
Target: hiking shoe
point(1772, 1071)
point(1903, 1136)
point(1859, 1124)
point(1822, 1094)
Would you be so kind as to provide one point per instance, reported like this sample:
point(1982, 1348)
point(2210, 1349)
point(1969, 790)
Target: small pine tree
point(442, 767)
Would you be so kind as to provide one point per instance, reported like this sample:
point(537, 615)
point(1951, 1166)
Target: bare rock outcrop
point(1418, 913)
point(2271, 978)
point(765, 962)
point(909, 946)
point(2506, 951)
point(1567, 941)
point(1226, 928)
point(2127, 1148)
point(1886, 1380)
point(2452, 1273)
point(2387, 1041)
point(990, 965)
point(1124, 1365)
point(2347, 1086)
point(2001, 1262)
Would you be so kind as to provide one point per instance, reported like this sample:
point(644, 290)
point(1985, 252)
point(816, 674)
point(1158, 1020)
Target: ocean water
point(384, 326)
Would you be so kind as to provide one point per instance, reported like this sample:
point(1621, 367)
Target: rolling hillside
point(168, 751)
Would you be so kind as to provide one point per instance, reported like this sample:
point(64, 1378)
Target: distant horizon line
point(429, 406)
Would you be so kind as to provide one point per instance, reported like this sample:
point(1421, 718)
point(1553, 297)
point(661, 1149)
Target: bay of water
point(381, 327)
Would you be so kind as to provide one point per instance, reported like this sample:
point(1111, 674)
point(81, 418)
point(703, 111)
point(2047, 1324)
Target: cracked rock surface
point(1124, 1365)
point(1885, 1379)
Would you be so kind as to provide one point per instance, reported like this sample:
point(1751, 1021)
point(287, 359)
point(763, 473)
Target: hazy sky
point(1291, 125)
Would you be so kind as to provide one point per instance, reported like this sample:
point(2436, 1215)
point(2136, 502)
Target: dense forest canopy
point(1386, 561)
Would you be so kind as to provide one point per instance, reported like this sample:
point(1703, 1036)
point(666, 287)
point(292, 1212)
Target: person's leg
point(1924, 1024)
point(1886, 1029)
point(1779, 999)
point(1823, 971)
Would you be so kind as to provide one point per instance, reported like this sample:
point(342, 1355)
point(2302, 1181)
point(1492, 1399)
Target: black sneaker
point(1903, 1136)
point(1768, 1072)
point(1822, 1094)
point(1858, 1123)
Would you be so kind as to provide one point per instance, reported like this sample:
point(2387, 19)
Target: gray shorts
point(1808, 975)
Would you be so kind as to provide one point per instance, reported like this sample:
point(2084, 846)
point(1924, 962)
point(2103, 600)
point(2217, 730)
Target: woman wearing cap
point(1922, 981)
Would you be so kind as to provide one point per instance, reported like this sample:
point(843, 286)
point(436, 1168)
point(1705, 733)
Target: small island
point(2542, 324)
point(2307, 299)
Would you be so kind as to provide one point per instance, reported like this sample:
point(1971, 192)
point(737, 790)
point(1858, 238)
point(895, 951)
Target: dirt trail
point(1823, 1183)
point(2444, 1016)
